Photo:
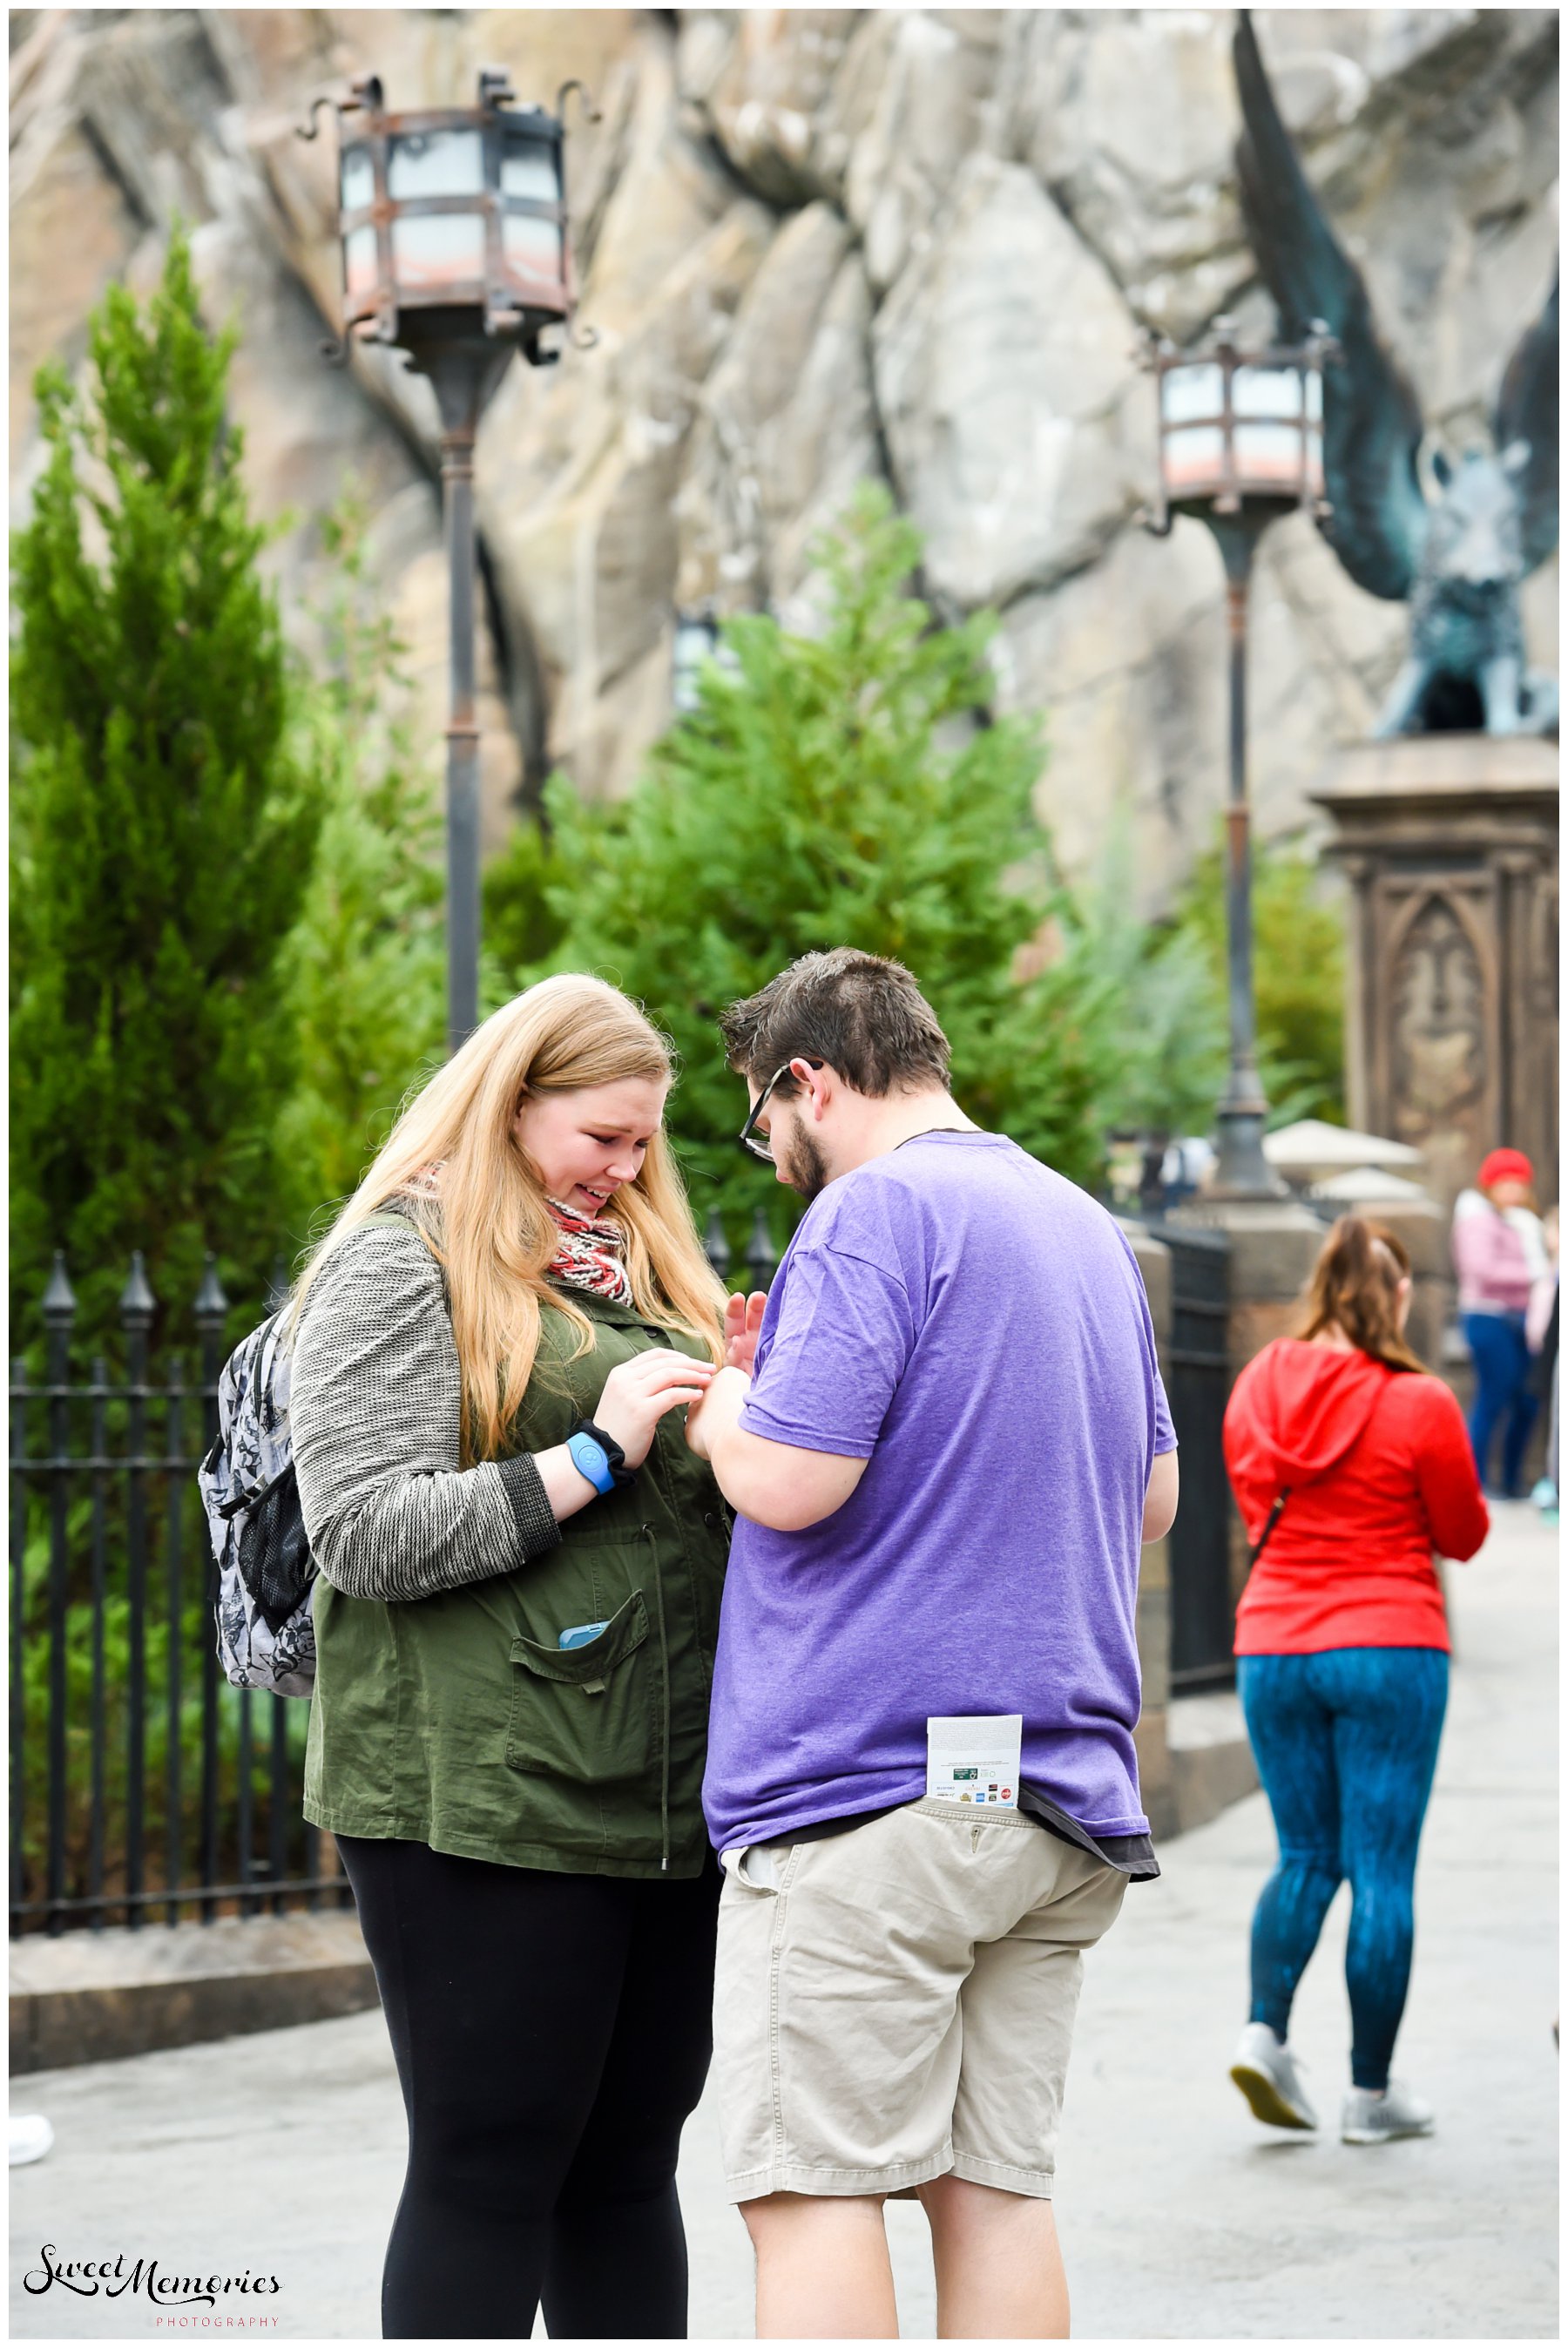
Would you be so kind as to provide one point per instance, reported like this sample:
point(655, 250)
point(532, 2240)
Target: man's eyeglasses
point(757, 1145)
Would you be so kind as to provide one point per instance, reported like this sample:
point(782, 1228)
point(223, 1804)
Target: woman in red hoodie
point(1350, 1467)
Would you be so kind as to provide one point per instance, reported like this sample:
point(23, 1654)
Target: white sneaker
point(31, 2138)
point(1267, 2074)
point(1370, 2118)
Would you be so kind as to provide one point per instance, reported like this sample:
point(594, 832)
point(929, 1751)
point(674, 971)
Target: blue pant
point(1497, 1347)
point(1346, 1744)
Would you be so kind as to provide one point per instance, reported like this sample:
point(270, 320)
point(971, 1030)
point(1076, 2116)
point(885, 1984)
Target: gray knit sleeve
point(374, 1401)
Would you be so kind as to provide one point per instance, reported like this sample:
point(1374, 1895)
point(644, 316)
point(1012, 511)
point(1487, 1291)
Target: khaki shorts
point(896, 2003)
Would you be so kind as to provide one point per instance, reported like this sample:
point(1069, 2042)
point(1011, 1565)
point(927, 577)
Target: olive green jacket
point(460, 1722)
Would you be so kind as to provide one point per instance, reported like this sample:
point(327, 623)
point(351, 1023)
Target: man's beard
point(801, 1162)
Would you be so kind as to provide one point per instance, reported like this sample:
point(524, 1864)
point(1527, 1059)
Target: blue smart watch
point(598, 1456)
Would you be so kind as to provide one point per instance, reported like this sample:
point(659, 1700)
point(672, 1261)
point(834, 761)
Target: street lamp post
point(1241, 443)
point(455, 250)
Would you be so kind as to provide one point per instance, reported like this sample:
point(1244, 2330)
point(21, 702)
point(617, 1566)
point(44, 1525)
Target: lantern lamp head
point(452, 220)
point(1239, 429)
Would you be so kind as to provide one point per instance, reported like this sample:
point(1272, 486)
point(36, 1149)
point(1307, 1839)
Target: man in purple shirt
point(945, 1438)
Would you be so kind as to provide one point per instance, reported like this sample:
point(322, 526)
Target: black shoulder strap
point(1263, 1539)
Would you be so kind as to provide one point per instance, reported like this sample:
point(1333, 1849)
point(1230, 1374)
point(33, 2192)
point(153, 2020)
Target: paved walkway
point(281, 2153)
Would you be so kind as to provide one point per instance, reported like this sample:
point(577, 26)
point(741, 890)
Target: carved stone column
point(1449, 842)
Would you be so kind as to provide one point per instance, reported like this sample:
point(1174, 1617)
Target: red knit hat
point(1504, 1166)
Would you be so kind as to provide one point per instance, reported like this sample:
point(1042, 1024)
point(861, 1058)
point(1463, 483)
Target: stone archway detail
point(1437, 1071)
point(1449, 842)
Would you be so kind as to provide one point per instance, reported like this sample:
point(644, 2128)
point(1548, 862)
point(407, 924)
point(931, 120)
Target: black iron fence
point(760, 1259)
point(143, 1786)
point(1197, 1377)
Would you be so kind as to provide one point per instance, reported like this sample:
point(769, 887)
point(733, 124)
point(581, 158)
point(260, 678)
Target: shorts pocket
point(586, 1713)
point(766, 1868)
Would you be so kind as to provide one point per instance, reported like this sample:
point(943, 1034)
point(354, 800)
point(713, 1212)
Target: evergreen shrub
point(163, 830)
point(846, 787)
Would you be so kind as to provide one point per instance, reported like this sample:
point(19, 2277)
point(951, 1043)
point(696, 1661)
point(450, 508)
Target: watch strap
point(615, 1457)
point(589, 1460)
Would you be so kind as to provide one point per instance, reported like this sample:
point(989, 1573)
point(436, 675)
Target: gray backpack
point(266, 1637)
point(266, 1574)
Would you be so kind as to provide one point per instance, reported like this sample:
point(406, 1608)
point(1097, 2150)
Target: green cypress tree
point(841, 788)
point(163, 829)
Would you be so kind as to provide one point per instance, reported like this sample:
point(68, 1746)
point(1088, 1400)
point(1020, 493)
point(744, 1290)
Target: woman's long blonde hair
point(486, 1220)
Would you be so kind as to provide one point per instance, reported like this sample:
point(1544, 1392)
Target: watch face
point(590, 1457)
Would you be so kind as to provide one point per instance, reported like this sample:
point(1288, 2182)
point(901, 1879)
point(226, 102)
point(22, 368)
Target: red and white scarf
point(592, 1249)
point(592, 1254)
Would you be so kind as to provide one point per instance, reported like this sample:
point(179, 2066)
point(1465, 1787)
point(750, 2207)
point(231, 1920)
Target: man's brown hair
point(862, 1016)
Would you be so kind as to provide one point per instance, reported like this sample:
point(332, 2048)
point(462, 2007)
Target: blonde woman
point(521, 1569)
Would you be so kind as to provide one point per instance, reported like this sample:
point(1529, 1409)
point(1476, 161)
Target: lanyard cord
point(664, 1672)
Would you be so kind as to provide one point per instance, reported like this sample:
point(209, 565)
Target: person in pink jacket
point(1500, 1255)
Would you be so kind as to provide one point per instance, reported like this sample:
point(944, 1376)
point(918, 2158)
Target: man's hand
point(743, 1326)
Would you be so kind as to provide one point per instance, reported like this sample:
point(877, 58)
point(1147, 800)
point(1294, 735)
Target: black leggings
point(552, 2033)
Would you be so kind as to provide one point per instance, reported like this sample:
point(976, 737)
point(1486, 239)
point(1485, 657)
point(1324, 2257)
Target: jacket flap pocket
point(579, 1665)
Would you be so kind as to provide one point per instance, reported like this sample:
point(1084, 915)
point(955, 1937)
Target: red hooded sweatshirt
point(1378, 1468)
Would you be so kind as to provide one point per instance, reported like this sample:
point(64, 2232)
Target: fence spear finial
point(211, 1302)
point(137, 1301)
point(760, 1258)
point(59, 1296)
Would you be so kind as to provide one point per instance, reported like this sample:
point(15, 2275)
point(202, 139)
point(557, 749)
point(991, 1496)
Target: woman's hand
point(743, 1326)
point(637, 1394)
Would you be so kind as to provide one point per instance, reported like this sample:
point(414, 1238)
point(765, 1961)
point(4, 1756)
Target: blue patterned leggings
point(1346, 1744)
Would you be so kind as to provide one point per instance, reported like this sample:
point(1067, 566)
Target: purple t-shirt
point(975, 1328)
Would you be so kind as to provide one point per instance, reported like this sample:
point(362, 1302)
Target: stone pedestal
point(1275, 1242)
point(1450, 844)
point(1194, 1758)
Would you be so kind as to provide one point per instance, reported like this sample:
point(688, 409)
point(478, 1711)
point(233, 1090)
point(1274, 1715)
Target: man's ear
point(816, 1083)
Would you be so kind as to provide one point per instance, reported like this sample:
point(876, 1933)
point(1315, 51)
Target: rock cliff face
point(817, 245)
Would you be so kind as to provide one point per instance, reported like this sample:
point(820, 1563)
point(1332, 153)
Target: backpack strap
point(1263, 1539)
